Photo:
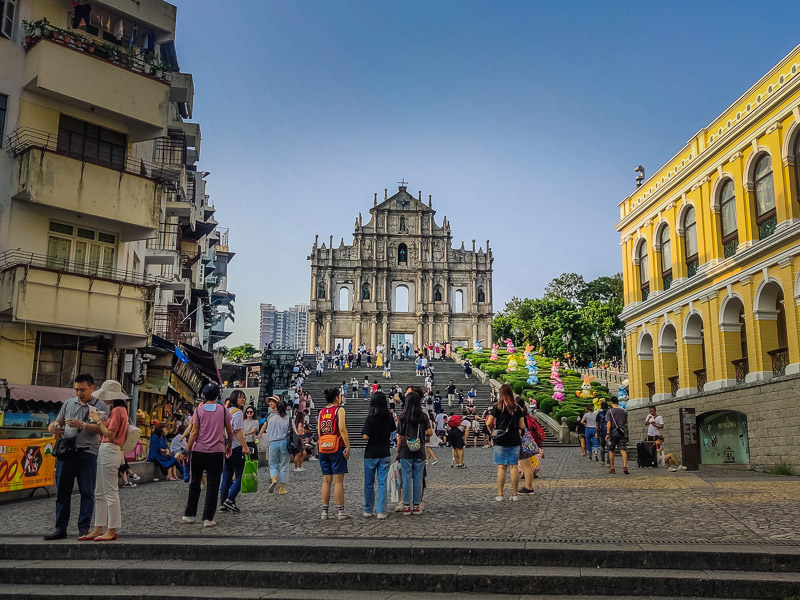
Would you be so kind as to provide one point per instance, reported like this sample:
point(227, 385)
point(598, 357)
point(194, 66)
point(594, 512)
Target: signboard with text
point(26, 464)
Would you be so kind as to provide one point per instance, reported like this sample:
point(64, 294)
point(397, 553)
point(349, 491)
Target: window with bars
point(91, 143)
point(766, 217)
point(8, 11)
point(690, 241)
point(60, 358)
point(727, 215)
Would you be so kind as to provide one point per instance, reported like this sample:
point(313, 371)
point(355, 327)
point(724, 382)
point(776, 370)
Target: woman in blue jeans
point(276, 427)
point(506, 423)
point(414, 428)
point(377, 430)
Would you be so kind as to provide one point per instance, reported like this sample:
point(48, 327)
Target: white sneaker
point(682, 468)
point(436, 461)
point(135, 477)
point(298, 470)
point(515, 498)
point(381, 516)
point(367, 515)
point(189, 520)
point(313, 458)
point(209, 523)
point(324, 515)
point(672, 469)
point(499, 498)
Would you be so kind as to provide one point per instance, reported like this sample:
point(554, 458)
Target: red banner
point(26, 464)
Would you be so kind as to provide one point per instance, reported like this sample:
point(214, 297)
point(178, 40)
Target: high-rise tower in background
point(284, 329)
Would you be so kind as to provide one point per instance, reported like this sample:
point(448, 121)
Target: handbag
point(414, 444)
point(250, 476)
point(293, 442)
point(499, 432)
point(134, 434)
point(528, 446)
point(65, 447)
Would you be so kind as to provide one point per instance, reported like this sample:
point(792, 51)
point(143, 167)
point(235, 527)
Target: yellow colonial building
point(710, 251)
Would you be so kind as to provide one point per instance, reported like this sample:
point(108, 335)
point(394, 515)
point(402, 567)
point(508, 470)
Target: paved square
point(575, 500)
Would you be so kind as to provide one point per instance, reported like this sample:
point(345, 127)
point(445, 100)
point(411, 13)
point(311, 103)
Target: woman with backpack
point(333, 446)
point(277, 427)
point(413, 428)
point(505, 421)
point(377, 430)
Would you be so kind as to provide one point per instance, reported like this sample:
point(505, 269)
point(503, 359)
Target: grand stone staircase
point(403, 373)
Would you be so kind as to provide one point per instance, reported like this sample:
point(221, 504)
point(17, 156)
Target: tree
point(569, 286)
point(604, 289)
point(241, 353)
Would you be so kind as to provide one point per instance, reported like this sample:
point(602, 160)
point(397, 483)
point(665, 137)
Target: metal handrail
point(17, 258)
point(168, 238)
point(24, 139)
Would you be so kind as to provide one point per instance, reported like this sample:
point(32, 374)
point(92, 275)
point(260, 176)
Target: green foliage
point(782, 469)
point(241, 353)
point(546, 403)
point(518, 387)
point(588, 311)
point(572, 423)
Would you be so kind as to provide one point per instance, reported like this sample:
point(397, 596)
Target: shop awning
point(36, 398)
point(203, 360)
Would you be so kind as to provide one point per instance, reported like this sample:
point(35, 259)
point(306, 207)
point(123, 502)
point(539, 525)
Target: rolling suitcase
point(646, 455)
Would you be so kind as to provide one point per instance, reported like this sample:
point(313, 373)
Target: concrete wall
point(771, 409)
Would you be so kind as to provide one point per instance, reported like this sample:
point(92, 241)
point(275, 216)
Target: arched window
point(727, 215)
point(401, 299)
point(458, 301)
point(402, 254)
point(690, 241)
point(321, 291)
point(797, 164)
point(402, 223)
point(437, 294)
point(644, 277)
point(764, 197)
point(666, 257)
point(365, 291)
point(481, 295)
point(344, 299)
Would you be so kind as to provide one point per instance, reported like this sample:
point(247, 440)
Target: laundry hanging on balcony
point(119, 30)
point(83, 15)
point(132, 38)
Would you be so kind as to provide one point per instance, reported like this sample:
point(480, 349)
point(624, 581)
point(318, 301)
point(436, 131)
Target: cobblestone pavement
point(575, 500)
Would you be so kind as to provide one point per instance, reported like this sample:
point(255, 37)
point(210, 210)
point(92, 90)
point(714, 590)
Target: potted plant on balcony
point(91, 46)
point(68, 37)
point(77, 39)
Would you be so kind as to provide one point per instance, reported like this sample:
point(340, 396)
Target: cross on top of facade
point(402, 183)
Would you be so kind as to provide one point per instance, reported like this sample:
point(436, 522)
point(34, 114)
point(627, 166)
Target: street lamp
point(566, 337)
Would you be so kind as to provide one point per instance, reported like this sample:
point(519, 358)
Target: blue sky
point(524, 120)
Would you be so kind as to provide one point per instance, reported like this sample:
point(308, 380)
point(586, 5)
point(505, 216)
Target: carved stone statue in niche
point(403, 225)
point(368, 248)
point(380, 222)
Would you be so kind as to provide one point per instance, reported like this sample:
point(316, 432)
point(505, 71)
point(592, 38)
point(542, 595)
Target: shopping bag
point(250, 476)
point(395, 482)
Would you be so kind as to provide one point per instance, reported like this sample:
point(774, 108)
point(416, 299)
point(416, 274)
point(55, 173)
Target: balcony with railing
point(123, 189)
point(674, 385)
point(780, 359)
point(75, 294)
point(651, 389)
point(73, 68)
point(741, 369)
point(164, 249)
point(701, 376)
point(171, 322)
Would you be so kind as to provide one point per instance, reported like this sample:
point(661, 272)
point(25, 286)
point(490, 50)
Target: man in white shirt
point(655, 423)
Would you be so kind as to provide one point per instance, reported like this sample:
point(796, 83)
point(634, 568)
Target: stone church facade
point(400, 280)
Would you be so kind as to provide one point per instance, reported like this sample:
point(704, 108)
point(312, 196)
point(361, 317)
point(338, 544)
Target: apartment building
point(108, 242)
point(284, 329)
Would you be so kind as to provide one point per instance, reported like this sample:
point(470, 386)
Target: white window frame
point(100, 270)
point(8, 13)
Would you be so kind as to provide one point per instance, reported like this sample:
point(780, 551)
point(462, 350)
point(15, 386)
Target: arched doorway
point(458, 301)
point(694, 340)
point(770, 317)
point(668, 355)
point(723, 438)
point(645, 369)
point(401, 299)
point(734, 339)
point(344, 298)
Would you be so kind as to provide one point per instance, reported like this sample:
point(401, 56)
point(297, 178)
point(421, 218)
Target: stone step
point(102, 592)
point(418, 552)
point(397, 577)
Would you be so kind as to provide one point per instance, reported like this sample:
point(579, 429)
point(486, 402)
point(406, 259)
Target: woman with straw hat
point(107, 509)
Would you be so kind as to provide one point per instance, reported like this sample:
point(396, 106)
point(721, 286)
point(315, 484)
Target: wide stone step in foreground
point(307, 568)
